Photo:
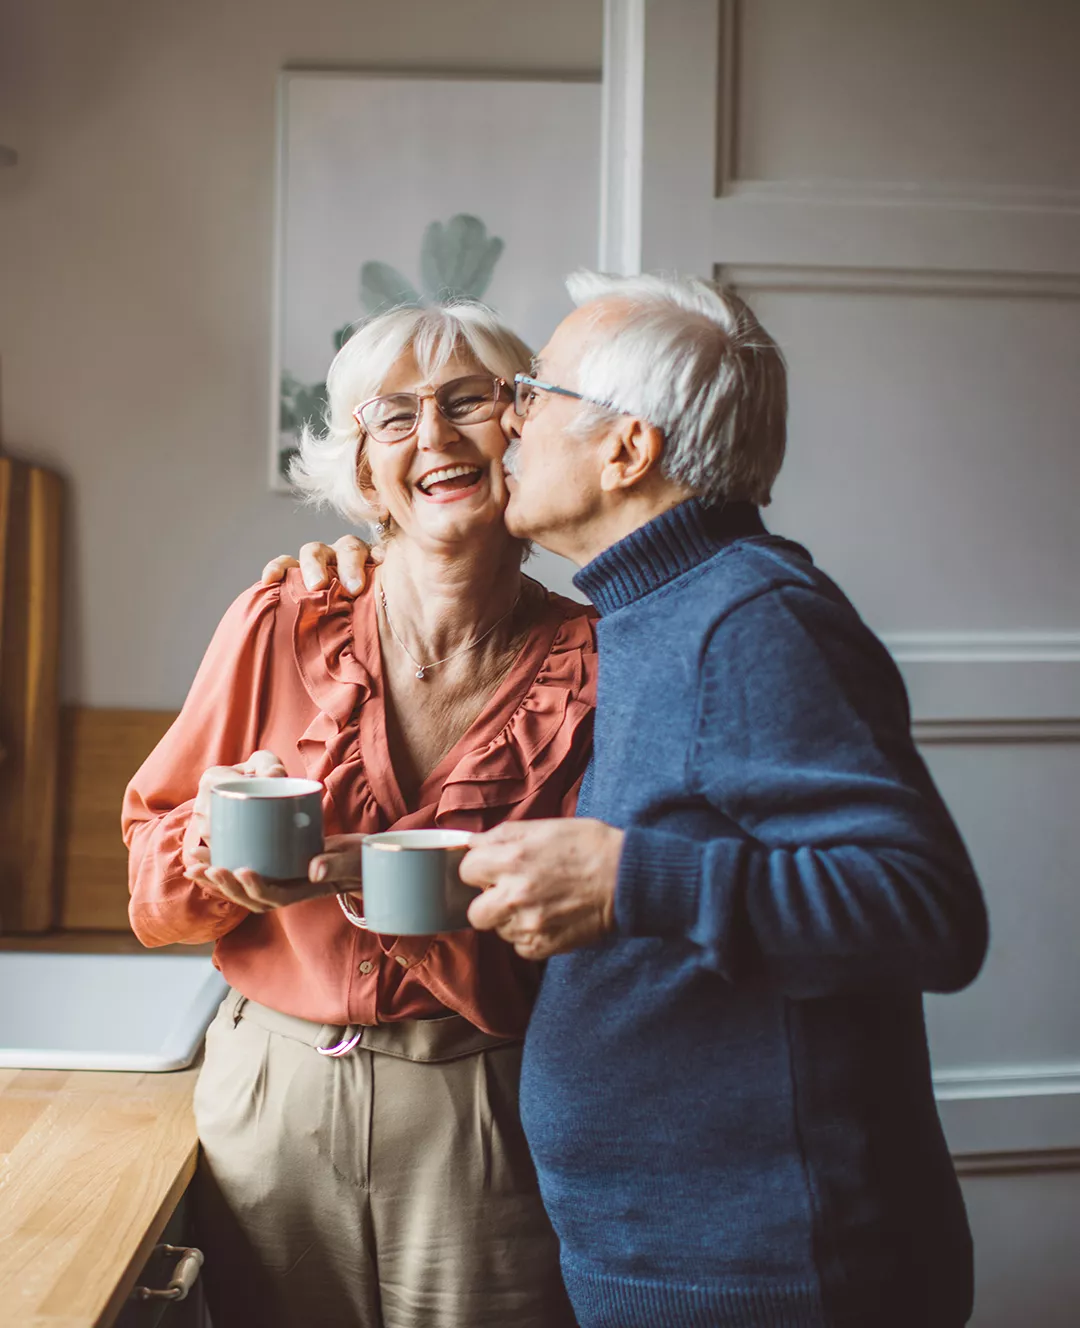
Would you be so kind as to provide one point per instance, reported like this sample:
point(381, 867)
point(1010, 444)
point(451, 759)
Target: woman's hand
point(242, 887)
point(334, 870)
point(259, 765)
point(252, 891)
point(338, 865)
point(347, 557)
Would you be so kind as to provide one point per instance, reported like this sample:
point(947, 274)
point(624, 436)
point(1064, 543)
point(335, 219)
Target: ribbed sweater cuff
point(658, 884)
point(679, 889)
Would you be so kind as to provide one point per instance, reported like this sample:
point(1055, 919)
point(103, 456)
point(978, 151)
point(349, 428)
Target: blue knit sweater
point(729, 1100)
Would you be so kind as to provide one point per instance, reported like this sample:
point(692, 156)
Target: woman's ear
point(632, 454)
point(380, 513)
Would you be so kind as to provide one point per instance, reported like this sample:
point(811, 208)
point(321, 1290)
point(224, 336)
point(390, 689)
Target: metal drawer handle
point(184, 1274)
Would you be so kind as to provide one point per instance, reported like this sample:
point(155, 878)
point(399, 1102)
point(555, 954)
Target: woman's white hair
point(331, 467)
point(693, 360)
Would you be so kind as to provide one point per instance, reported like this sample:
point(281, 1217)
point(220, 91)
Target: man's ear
point(631, 454)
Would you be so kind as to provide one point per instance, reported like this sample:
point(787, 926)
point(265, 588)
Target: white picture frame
point(431, 184)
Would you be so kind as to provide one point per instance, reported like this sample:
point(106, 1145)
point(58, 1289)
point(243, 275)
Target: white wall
point(135, 285)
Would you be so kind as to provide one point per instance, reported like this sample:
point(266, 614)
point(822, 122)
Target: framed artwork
point(395, 189)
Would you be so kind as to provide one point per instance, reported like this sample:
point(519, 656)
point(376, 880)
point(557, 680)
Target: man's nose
point(511, 423)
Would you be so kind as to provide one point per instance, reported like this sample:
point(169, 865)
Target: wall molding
point(832, 279)
point(962, 732)
point(1035, 1161)
point(959, 194)
point(1006, 647)
point(727, 98)
point(841, 191)
point(1010, 1110)
point(622, 136)
point(1002, 1081)
point(991, 686)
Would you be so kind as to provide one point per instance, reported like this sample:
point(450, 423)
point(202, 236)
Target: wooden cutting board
point(31, 500)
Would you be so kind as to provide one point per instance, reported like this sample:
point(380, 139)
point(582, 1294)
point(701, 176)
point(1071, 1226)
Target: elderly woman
point(362, 1158)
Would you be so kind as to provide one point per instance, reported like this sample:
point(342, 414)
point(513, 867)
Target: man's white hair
point(693, 360)
point(331, 467)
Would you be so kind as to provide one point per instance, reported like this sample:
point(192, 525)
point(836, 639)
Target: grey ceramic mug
point(272, 826)
point(410, 882)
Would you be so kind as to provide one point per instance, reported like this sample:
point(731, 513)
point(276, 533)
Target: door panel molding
point(1007, 1109)
point(823, 278)
point(991, 686)
point(672, 75)
point(918, 193)
point(1001, 1081)
point(959, 732)
point(1034, 1161)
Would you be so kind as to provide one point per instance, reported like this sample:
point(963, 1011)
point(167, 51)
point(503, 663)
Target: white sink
point(105, 1012)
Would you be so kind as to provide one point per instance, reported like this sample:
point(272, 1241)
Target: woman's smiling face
point(444, 483)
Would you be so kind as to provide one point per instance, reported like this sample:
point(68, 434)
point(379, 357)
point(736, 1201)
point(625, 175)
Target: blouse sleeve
point(218, 725)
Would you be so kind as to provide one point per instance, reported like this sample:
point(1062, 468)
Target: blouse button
point(365, 966)
point(402, 961)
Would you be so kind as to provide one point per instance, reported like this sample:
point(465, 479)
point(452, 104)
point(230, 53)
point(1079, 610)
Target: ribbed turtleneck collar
point(663, 549)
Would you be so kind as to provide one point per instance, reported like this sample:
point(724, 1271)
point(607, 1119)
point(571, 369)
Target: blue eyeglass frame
point(550, 387)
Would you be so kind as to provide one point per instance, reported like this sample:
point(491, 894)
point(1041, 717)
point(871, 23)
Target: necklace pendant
point(420, 674)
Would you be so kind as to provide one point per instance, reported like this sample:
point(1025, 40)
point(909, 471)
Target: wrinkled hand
point(243, 887)
point(259, 765)
point(338, 865)
point(550, 884)
point(335, 870)
point(318, 563)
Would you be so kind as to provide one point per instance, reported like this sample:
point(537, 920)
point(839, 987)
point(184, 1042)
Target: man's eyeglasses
point(472, 400)
point(526, 388)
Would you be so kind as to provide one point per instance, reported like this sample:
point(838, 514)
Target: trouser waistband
point(445, 1039)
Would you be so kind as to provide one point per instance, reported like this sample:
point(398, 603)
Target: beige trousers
point(388, 1188)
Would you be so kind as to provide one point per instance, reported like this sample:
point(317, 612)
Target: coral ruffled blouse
point(300, 673)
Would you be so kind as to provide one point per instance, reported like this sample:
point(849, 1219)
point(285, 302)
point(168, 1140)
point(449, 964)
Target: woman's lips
point(449, 491)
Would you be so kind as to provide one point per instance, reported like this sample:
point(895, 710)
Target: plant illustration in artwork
point(457, 260)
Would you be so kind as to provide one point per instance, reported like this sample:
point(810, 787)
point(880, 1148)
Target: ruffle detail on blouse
point(540, 734)
point(542, 731)
point(332, 675)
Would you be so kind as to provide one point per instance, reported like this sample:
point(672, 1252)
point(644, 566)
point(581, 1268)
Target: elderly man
point(726, 1084)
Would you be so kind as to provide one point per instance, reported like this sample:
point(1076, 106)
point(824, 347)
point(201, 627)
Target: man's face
point(553, 476)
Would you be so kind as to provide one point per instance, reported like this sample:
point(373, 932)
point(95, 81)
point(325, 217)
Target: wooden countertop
point(92, 1165)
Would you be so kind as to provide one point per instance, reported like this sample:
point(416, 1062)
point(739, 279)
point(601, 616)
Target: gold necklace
point(421, 669)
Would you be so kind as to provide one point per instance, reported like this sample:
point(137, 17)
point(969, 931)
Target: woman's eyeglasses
point(472, 400)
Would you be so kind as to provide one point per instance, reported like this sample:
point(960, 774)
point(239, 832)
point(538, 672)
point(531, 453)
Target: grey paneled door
point(896, 188)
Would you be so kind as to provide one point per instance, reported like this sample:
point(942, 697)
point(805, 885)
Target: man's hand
point(346, 558)
point(551, 884)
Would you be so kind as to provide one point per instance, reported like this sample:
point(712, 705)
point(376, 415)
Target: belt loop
point(346, 1044)
point(238, 1009)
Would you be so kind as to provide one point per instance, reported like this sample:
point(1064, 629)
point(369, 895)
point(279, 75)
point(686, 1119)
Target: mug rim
point(380, 838)
point(241, 789)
